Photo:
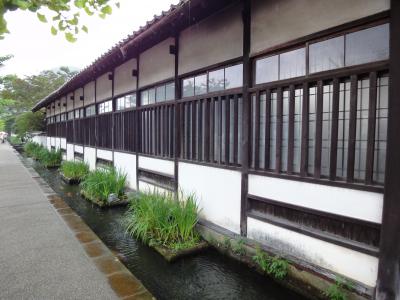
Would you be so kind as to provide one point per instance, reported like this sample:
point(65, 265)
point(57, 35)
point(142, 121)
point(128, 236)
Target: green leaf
point(80, 3)
point(53, 30)
point(70, 37)
point(42, 18)
point(84, 28)
point(107, 10)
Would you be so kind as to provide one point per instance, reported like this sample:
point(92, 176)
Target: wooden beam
point(388, 285)
point(246, 109)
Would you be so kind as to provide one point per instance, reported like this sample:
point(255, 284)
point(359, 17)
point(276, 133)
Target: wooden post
point(177, 117)
point(246, 108)
point(388, 284)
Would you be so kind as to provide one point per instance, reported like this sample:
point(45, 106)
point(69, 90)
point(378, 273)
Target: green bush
point(75, 170)
point(31, 148)
point(50, 158)
point(15, 140)
point(99, 184)
point(161, 219)
point(336, 291)
point(238, 247)
point(272, 265)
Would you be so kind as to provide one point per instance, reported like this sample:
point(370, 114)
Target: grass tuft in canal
point(275, 266)
point(161, 220)
point(49, 158)
point(74, 170)
point(98, 185)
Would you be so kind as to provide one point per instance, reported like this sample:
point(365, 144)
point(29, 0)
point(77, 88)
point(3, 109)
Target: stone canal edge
point(121, 280)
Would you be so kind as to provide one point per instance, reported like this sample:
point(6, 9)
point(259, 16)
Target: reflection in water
point(205, 276)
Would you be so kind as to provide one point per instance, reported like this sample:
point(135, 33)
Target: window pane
point(144, 97)
point(272, 127)
point(367, 45)
point(152, 95)
point(188, 87)
point(381, 129)
point(170, 91)
point(311, 128)
point(200, 86)
point(267, 69)
point(216, 80)
point(298, 100)
point(326, 128)
point(234, 76)
point(285, 131)
point(130, 101)
point(160, 93)
point(361, 129)
point(292, 64)
point(343, 129)
point(327, 55)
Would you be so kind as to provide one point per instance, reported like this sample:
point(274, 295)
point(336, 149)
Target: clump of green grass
point(273, 265)
point(337, 290)
point(100, 183)
point(32, 148)
point(15, 140)
point(238, 248)
point(75, 170)
point(159, 219)
point(48, 158)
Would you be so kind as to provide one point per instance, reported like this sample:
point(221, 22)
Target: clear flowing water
point(209, 275)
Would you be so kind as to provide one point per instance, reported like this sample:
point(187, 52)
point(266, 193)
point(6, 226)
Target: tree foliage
point(28, 122)
point(4, 58)
point(19, 95)
point(63, 15)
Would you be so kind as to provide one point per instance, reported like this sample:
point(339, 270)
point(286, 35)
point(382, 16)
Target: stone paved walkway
point(40, 256)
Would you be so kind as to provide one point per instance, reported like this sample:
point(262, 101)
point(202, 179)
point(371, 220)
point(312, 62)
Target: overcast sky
point(36, 49)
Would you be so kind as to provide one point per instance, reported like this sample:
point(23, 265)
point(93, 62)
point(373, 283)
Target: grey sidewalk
point(40, 257)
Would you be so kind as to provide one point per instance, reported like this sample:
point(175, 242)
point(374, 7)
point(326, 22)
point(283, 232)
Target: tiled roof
point(117, 50)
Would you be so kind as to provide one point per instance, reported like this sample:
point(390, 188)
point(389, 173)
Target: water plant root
point(172, 255)
point(102, 204)
point(67, 180)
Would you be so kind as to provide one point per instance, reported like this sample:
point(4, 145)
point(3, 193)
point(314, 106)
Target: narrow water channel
point(209, 275)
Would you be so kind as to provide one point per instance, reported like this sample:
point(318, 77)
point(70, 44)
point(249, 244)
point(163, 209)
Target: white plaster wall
point(70, 103)
point(147, 187)
point(77, 99)
point(57, 108)
point(341, 201)
point(213, 40)
point(89, 157)
point(63, 143)
point(127, 164)
point(217, 190)
point(70, 152)
point(57, 143)
point(89, 96)
point(123, 79)
point(48, 142)
point(79, 149)
point(104, 154)
point(350, 263)
point(156, 64)
point(103, 87)
point(53, 141)
point(158, 165)
point(278, 21)
point(40, 139)
point(62, 107)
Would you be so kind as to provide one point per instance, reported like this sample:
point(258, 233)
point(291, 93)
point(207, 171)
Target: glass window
point(105, 107)
point(326, 55)
point(90, 110)
point(188, 87)
point(70, 115)
point(126, 101)
point(144, 96)
point(200, 84)
point(170, 91)
point(152, 95)
point(160, 93)
point(216, 80)
point(234, 76)
point(267, 69)
point(367, 45)
point(292, 64)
